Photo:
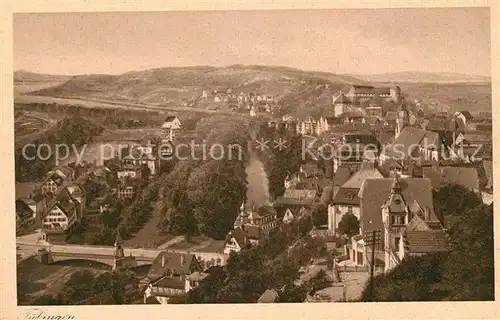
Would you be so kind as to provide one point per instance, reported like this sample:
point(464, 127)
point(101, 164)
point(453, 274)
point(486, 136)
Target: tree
point(454, 200)
point(320, 215)
point(292, 293)
point(349, 225)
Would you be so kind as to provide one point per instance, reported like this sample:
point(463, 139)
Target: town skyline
point(386, 40)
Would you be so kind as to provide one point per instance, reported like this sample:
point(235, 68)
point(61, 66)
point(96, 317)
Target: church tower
point(340, 104)
point(119, 255)
point(242, 217)
point(403, 119)
point(395, 218)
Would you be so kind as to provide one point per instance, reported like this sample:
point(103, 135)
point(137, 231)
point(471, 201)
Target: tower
point(403, 119)
point(395, 218)
point(340, 104)
point(242, 217)
point(118, 255)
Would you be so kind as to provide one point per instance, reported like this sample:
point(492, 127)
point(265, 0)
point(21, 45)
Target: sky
point(354, 41)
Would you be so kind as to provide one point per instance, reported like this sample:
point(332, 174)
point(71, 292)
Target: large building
point(361, 92)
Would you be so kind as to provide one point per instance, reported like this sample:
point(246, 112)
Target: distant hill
point(423, 77)
point(184, 85)
point(27, 76)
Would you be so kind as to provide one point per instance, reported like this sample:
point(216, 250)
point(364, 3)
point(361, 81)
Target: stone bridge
point(105, 254)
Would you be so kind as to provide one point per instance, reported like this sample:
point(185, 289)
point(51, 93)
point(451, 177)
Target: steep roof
point(367, 170)
point(269, 296)
point(299, 194)
point(426, 241)
point(488, 169)
point(169, 282)
point(342, 174)
point(375, 192)
point(239, 236)
point(23, 210)
point(402, 146)
point(178, 263)
point(341, 98)
point(25, 189)
point(464, 176)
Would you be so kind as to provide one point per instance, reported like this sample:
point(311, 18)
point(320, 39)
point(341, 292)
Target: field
point(26, 87)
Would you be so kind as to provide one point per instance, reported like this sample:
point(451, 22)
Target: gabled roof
point(488, 169)
point(269, 296)
point(341, 98)
point(468, 116)
point(464, 176)
point(367, 170)
point(25, 189)
point(426, 241)
point(178, 263)
point(239, 237)
point(402, 146)
point(251, 231)
point(342, 174)
point(375, 192)
point(23, 210)
point(169, 282)
point(391, 116)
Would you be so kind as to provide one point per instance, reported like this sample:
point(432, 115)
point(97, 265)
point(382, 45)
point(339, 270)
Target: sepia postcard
point(185, 160)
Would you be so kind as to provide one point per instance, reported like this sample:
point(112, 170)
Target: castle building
point(360, 92)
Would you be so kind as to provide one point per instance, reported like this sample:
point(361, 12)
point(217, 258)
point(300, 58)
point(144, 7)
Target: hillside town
point(363, 212)
point(245, 156)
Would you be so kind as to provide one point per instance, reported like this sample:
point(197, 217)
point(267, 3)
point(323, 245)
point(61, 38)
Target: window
point(396, 243)
point(349, 209)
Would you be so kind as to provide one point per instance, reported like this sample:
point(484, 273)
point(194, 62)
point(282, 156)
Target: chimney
point(162, 260)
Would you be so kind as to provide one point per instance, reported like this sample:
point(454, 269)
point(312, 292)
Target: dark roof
point(342, 174)
point(391, 116)
point(269, 296)
point(346, 196)
point(370, 90)
point(239, 236)
point(326, 195)
point(488, 169)
point(23, 209)
point(464, 176)
point(170, 118)
point(442, 125)
point(375, 192)
point(361, 138)
point(172, 264)
point(341, 98)
point(426, 241)
point(409, 137)
point(252, 231)
point(25, 189)
point(169, 282)
point(468, 116)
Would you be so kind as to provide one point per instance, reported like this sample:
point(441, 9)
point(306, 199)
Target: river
point(257, 189)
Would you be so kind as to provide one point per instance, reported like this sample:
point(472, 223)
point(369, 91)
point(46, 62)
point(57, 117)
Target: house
point(375, 193)
point(414, 143)
point(289, 216)
point(59, 216)
point(25, 215)
point(250, 226)
point(346, 199)
point(173, 264)
point(171, 128)
point(269, 296)
point(126, 190)
point(169, 289)
point(295, 199)
point(422, 234)
point(53, 181)
point(236, 241)
point(352, 154)
point(466, 177)
point(311, 170)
